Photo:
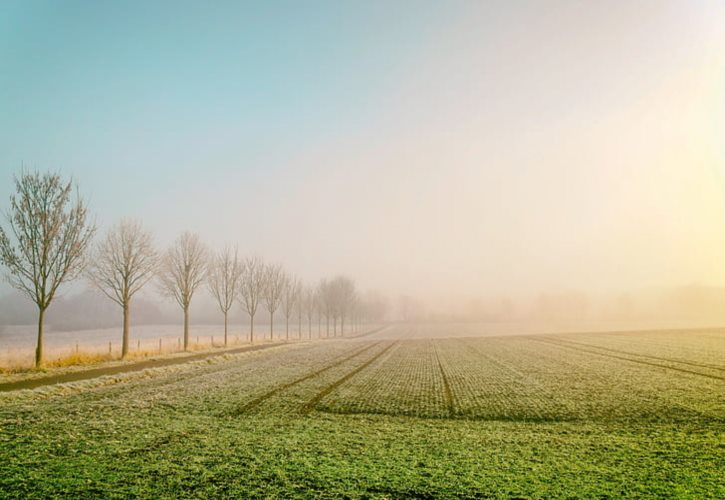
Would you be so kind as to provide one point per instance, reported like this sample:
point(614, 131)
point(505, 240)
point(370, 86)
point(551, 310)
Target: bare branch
point(48, 236)
point(275, 280)
point(224, 277)
point(290, 294)
point(123, 262)
point(183, 269)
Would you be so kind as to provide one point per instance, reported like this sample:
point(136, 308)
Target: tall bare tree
point(46, 241)
point(290, 297)
point(123, 262)
point(183, 270)
point(224, 276)
point(275, 280)
point(251, 289)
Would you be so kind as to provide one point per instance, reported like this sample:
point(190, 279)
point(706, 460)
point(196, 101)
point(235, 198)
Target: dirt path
point(63, 378)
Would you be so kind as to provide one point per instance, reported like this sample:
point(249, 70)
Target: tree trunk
point(251, 328)
point(271, 326)
point(309, 326)
point(299, 325)
point(342, 326)
point(225, 328)
point(124, 343)
point(186, 328)
point(334, 326)
point(287, 328)
point(327, 326)
point(39, 347)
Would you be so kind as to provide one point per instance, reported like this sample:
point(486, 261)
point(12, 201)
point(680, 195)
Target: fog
point(552, 163)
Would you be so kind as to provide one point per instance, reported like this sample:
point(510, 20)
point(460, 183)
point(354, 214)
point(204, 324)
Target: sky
point(442, 149)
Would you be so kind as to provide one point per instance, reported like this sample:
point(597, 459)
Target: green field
point(410, 411)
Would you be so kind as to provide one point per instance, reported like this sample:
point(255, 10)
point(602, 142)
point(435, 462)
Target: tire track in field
point(447, 392)
point(368, 333)
point(613, 356)
point(245, 408)
point(519, 375)
point(657, 358)
point(312, 403)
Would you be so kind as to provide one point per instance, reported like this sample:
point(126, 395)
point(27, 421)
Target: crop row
point(525, 378)
point(706, 349)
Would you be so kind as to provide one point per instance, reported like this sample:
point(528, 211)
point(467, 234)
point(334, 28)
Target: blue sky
point(164, 89)
point(485, 147)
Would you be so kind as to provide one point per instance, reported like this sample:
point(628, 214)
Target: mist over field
point(570, 168)
point(362, 249)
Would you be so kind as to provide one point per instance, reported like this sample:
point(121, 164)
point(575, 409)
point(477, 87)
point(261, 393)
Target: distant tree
point(308, 306)
point(374, 307)
point(251, 289)
point(326, 300)
point(316, 309)
point(275, 280)
point(354, 313)
point(405, 306)
point(122, 264)
point(46, 241)
point(343, 299)
point(290, 297)
point(300, 309)
point(183, 270)
point(224, 276)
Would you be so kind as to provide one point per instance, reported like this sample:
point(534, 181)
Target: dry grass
point(79, 358)
point(20, 363)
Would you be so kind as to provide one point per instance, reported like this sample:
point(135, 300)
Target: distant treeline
point(49, 239)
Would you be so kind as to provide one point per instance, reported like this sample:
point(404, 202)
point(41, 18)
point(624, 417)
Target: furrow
point(656, 358)
point(312, 403)
point(245, 408)
point(640, 361)
point(447, 392)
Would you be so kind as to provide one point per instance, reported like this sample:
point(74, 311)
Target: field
point(418, 411)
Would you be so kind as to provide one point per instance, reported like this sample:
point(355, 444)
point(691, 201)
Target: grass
point(79, 358)
point(84, 358)
point(507, 417)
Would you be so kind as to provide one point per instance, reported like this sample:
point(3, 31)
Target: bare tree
point(326, 303)
point(308, 305)
point(300, 308)
point(224, 276)
point(374, 307)
point(122, 264)
point(183, 270)
point(344, 296)
point(290, 297)
point(275, 280)
point(251, 289)
point(48, 236)
point(317, 307)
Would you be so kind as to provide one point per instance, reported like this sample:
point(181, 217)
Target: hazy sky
point(452, 147)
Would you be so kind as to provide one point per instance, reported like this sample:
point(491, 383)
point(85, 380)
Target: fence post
point(159, 346)
point(109, 348)
point(138, 345)
point(76, 347)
